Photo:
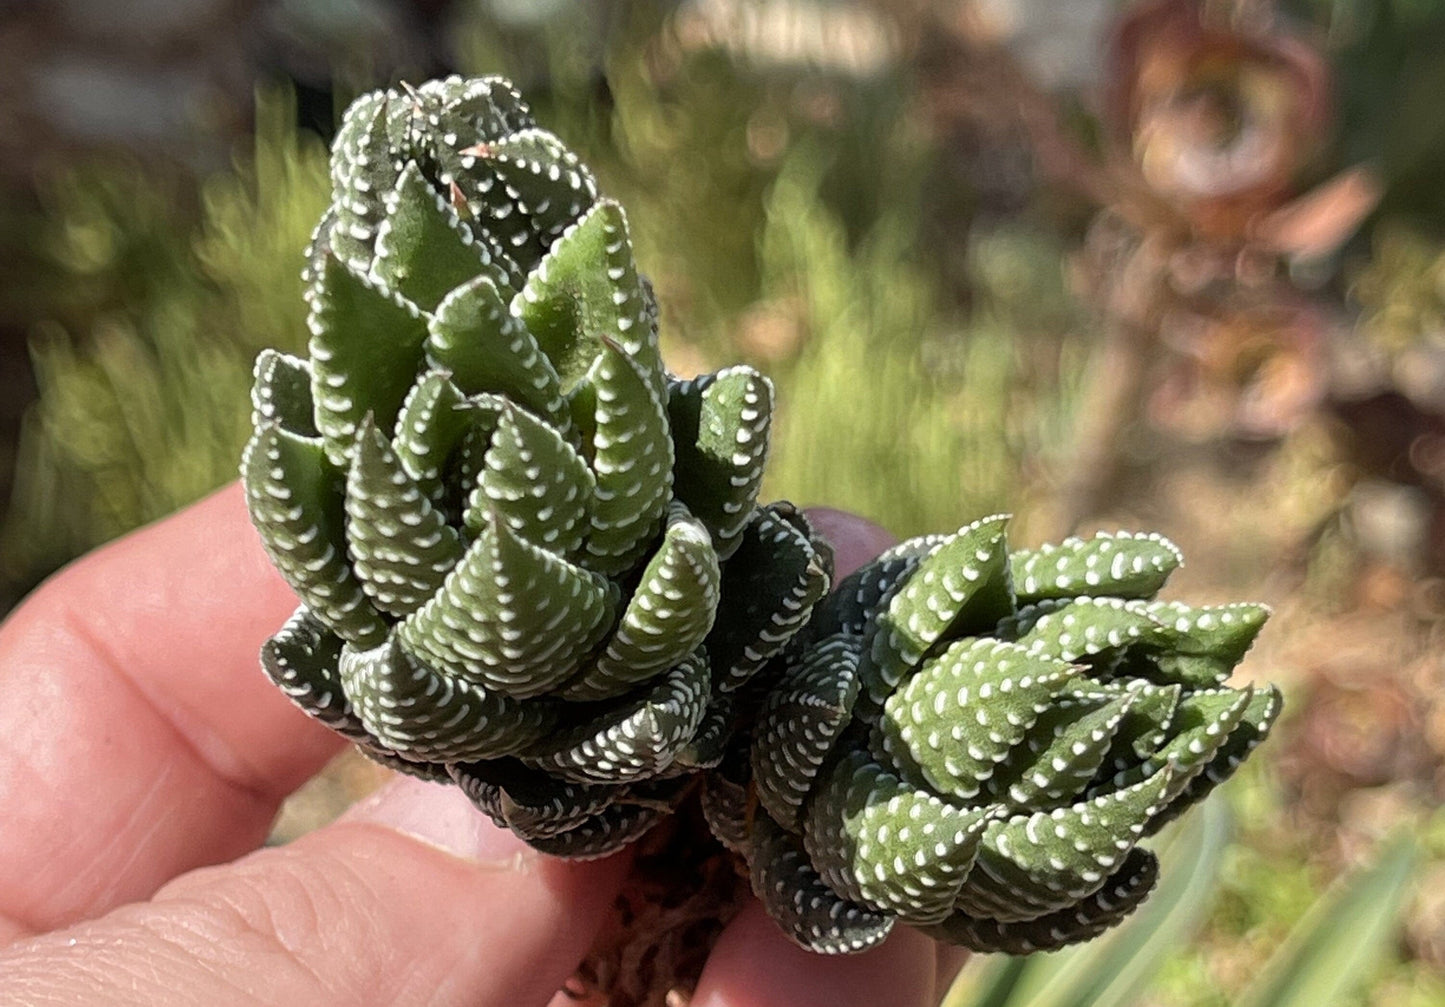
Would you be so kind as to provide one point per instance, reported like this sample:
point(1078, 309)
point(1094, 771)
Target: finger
point(855, 540)
point(754, 965)
point(412, 899)
point(139, 737)
point(951, 961)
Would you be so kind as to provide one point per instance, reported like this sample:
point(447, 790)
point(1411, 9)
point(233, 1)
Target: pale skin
point(143, 756)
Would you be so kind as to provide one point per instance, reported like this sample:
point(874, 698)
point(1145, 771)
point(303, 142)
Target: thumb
point(413, 898)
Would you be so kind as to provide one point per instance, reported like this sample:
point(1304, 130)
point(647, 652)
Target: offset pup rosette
point(975, 740)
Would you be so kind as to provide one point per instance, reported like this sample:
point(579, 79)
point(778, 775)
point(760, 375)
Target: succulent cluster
point(530, 562)
point(974, 740)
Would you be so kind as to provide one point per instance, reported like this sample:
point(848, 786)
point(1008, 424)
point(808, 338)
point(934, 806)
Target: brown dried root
point(683, 889)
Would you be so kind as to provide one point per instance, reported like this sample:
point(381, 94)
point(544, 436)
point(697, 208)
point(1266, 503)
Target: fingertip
point(755, 965)
point(855, 540)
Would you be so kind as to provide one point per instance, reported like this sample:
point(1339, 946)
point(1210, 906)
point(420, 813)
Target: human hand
point(140, 745)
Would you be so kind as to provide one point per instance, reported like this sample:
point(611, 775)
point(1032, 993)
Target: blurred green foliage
point(145, 410)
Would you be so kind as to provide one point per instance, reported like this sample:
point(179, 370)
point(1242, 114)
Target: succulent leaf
point(881, 842)
point(422, 249)
point(475, 337)
point(1120, 565)
point(1073, 629)
point(1205, 643)
point(801, 718)
point(666, 619)
point(511, 616)
point(587, 287)
point(366, 347)
point(769, 588)
point(1202, 723)
point(1034, 864)
point(721, 424)
point(532, 186)
point(709, 743)
point(952, 724)
point(633, 738)
point(301, 659)
point(861, 593)
point(433, 421)
point(1125, 890)
point(365, 160)
point(631, 457)
point(1254, 727)
point(425, 714)
point(805, 907)
point(533, 481)
point(608, 831)
point(725, 804)
point(400, 545)
point(295, 501)
point(1062, 752)
point(281, 393)
point(961, 586)
point(533, 805)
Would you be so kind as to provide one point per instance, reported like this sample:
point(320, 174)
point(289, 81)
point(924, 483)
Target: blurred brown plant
point(1212, 114)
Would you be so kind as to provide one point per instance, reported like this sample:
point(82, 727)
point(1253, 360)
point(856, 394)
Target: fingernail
point(442, 817)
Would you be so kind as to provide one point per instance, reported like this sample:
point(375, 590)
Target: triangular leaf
point(720, 423)
point(366, 350)
point(769, 588)
point(1033, 865)
point(1125, 890)
point(801, 718)
point(295, 501)
point(512, 617)
point(400, 545)
point(425, 714)
point(631, 458)
point(634, 738)
point(809, 912)
point(960, 587)
point(1121, 565)
point(536, 483)
point(585, 288)
point(667, 617)
point(488, 349)
point(955, 721)
point(281, 393)
point(422, 249)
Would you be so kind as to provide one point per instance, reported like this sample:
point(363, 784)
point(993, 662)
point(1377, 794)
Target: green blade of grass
point(1343, 938)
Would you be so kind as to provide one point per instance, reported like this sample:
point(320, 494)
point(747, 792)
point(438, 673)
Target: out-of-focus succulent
point(974, 740)
point(529, 561)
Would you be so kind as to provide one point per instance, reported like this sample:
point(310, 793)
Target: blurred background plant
point(1168, 264)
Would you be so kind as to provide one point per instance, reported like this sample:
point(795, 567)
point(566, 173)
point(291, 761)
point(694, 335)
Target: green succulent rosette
point(975, 740)
point(529, 561)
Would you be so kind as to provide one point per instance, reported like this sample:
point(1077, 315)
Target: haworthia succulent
point(532, 564)
point(1013, 724)
point(512, 561)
